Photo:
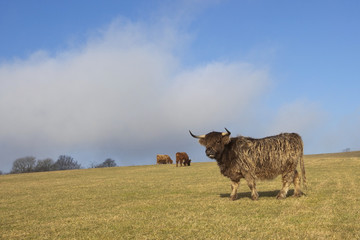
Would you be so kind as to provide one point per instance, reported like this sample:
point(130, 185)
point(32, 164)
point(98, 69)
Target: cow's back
point(266, 158)
point(183, 155)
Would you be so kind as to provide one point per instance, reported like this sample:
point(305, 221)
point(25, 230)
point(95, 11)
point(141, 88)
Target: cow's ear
point(226, 139)
point(202, 141)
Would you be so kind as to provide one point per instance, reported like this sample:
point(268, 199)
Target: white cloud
point(213, 93)
point(124, 87)
point(300, 116)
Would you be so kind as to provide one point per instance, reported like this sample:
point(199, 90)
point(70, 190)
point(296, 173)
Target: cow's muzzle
point(210, 153)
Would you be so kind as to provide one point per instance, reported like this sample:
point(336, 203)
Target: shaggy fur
point(252, 159)
point(182, 158)
point(163, 159)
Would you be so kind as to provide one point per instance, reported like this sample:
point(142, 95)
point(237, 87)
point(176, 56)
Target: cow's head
point(214, 142)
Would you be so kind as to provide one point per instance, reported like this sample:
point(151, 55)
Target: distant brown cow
point(163, 159)
point(182, 158)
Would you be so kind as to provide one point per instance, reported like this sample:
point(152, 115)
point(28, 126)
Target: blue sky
point(128, 79)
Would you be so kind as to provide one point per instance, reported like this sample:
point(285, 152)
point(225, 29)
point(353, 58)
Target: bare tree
point(44, 165)
point(65, 163)
point(347, 150)
point(107, 163)
point(23, 165)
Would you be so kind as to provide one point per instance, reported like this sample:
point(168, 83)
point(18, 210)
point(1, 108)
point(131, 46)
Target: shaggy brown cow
point(163, 159)
point(182, 157)
point(252, 159)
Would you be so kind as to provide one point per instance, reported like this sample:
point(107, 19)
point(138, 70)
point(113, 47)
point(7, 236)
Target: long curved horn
point(194, 136)
point(227, 133)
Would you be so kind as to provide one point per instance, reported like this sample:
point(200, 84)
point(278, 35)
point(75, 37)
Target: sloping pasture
point(165, 202)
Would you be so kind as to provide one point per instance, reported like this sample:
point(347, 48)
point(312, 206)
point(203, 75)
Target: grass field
point(165, 202)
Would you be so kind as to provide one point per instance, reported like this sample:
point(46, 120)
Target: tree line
point(64, 162)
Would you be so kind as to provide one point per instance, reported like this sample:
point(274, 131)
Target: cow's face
point(214, 143)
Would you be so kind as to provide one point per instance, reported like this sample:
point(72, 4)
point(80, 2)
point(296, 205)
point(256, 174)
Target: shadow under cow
point(261, 194)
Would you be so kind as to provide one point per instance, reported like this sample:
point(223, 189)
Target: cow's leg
point(287, 179)
point(234, 188)
point(297, 192)
point(252, 185)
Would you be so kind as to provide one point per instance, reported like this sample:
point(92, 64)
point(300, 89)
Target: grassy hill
point(165, 202)
point(354, 154)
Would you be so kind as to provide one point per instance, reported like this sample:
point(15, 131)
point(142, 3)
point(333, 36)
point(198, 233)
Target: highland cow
point(253, 159)
point(163, 159)
point(182, 158)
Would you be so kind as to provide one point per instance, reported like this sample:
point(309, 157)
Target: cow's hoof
point(298, 194)
point(280, 196)
point(255, 197)
point(233, 198)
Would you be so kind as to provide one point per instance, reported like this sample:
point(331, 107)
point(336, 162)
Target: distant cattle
point(252, 159)
point(163, 159)
point(182, 158)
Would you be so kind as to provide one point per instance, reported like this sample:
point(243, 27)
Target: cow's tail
point(302, 166)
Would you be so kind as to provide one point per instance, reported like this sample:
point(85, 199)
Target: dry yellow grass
point(165, 202)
